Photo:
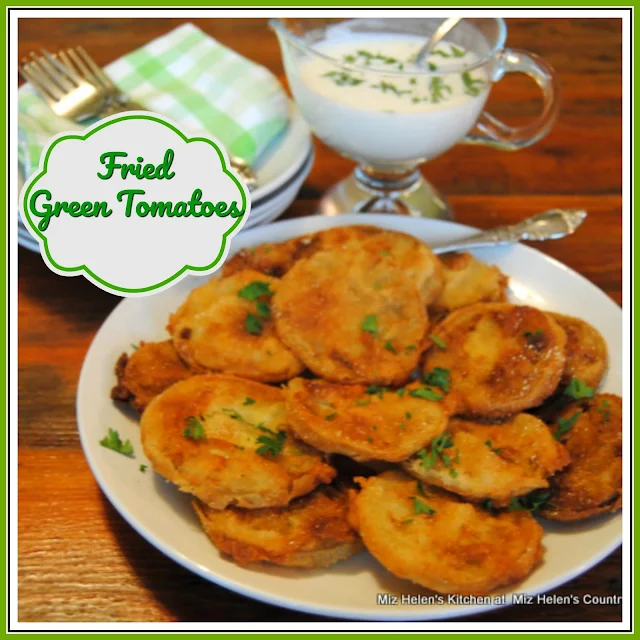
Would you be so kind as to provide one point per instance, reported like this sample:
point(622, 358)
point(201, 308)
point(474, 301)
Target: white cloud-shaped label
point(133, 204)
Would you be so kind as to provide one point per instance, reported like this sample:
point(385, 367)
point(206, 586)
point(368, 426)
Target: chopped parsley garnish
point(363, 403)
point(531, 502)
point(112, 441)
point(439, 341)
point(248, 401)
point(578, 389)
point(375, 390)
point(421, 490)
point(487, 504)
point(264, 310)
point(565, 425)
point(331, 416)
point(426, 394)
point(400, 392)
point(254, 290)
point(194, 429)
point(408, 415)
point(438, 378)
point(388, 345)
point(407, 521)
point(440, 52)
point(457, 52)
point(390, 87)
point(135, 347)
point(437, 450)
point(143, 468)
point(253, 324)
point(472, 86)
point(272, 443)
point(343, 78)
point(538, 333)
point(491, 447)
point(432, 67)
point(604, 410)
point(413, 81)
point(370, 325)
point(420, 507)
point(410, 347)
point(369, 440)
point(437, 89)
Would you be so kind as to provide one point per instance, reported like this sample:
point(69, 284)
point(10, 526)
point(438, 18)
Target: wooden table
point(78, 559)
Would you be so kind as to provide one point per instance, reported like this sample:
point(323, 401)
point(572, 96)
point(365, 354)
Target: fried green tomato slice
point(503, 358)
point(409, 254)
point(147, 372)
point(468, 281)
point(586, 351)
point(352, 317)
point(365, 423)
point(591, 430)
point(428, 536)
point(494, 462)
point(311, 532)
point(225, 440)
point(226, 326)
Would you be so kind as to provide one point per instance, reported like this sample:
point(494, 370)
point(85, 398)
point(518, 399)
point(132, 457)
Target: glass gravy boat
point(390, 115)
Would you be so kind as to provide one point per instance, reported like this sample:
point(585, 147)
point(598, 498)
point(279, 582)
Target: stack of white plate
point(280, 172)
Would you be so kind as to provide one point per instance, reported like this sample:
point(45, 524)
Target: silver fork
point(66, 93)
point(118, 102)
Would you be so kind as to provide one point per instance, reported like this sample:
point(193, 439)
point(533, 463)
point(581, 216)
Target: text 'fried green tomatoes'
point(311, 532)
point(366, 423)
point(503, 358)
point(225, 440)
point(423, 534)
point(226, 325)
point(494, 462)
point(352, 316)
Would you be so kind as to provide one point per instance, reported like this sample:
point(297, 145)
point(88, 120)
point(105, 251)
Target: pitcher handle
point(491, 132)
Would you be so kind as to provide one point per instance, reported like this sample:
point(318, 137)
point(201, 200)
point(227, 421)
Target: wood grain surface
point(78, 559)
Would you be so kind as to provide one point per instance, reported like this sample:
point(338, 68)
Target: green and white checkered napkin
point(189, 77)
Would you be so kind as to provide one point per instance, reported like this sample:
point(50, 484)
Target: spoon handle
point(549, 225)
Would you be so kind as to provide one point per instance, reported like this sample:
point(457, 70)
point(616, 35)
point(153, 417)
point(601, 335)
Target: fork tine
point(71, 55)
point(68, 71)
point(41, 82)
point(47, 70)
point(102, 77)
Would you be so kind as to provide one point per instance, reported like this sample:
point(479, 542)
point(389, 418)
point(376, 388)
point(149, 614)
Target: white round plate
point(277, 164)
point(349, 589)
point(277, 203)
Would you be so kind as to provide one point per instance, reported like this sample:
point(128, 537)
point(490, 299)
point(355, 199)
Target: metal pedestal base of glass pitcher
point(369, 191)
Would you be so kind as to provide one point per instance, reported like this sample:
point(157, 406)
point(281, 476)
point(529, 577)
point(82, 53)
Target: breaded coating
point(147, 372)
point(225, 440)
point(352, 317)
point(503, 358)
point(586, 351)
point(494, 462)
point(225, 326)
point(413, 257)
point(410, 254)
point(364, 426)
point(428, 536)
point(591, 430)
point(311, 532)
point(468, 281)
point(277, 258)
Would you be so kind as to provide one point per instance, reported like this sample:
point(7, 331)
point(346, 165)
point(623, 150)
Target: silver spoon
point(440, 33)
point(549, 225)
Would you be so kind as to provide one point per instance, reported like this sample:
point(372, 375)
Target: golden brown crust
point(147, 372)
point(494, 462)
point(503, 358)
point(352, 317)
point(223, 467)
point(592, 483)
point(586, 351)
point(311, 532)
point(460, 548)
point(277, 258)
point(209, 330)
point(468, 281)
point(346, 420)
